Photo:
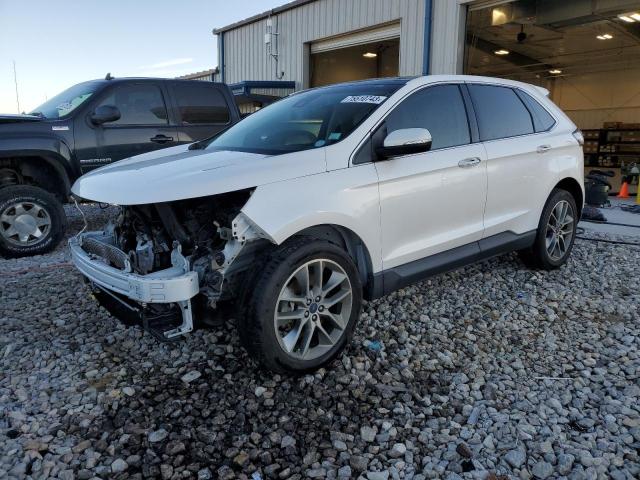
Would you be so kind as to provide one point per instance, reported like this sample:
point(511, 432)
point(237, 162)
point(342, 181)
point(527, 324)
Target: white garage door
point(386, 32)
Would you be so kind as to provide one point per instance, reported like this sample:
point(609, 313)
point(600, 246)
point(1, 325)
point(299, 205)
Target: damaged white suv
point(329, 196)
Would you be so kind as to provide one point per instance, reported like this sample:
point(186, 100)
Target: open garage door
point(585, 52)
point(370, 53)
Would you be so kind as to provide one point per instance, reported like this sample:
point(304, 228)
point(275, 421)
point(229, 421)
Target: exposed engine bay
point(205, 235)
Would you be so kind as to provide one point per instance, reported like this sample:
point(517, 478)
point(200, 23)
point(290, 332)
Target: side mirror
point(104, 114)
point(405, 142)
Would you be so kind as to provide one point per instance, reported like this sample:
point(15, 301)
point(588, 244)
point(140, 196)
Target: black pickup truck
point(86, 126)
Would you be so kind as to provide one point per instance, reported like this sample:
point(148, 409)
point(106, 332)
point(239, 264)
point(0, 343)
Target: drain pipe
point(426, 53)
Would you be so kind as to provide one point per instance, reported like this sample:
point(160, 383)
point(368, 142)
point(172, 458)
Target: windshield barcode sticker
point(376, 99)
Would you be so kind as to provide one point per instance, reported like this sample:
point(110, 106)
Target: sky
point(56, 44)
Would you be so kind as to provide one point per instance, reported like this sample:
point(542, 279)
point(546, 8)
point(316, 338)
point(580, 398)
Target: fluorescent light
point(635, 16)
point(555, 71)
point(626, 18)
point(369, 55)
point(606, 36)
point(502, 51)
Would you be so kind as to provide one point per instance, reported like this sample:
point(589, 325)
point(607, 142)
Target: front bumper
point(174, 284)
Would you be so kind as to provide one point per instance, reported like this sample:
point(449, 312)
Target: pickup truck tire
point(556, 233)
point(302, 308)
point(32, 221)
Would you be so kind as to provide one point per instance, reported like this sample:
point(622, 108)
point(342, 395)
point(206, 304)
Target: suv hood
point(10, 118)
point(177, 173)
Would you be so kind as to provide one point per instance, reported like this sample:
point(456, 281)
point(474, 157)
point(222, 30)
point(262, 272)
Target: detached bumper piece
point(97, 257)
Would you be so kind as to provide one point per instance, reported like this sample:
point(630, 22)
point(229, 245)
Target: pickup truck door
point(201, 109)
point(143, 126)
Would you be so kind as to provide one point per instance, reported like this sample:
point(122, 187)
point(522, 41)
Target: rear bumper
point(175, 284)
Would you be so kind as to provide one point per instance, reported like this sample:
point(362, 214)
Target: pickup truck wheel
point(32, 221)
point(556, 233)
point(302, 308)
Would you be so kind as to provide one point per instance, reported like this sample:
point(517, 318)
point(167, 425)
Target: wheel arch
point(351, 242)
point(44, 170)
point(572, 186)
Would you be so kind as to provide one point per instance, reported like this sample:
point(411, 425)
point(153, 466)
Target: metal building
point(358, 38)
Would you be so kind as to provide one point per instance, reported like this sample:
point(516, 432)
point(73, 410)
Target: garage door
point(386, 32)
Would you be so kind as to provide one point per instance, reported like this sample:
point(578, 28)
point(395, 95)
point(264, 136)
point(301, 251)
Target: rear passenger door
point(517, 153)
point(201, 109)
point(431, 202)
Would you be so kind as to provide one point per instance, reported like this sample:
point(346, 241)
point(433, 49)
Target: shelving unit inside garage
point(615, 147)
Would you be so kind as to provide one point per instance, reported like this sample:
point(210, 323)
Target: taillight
point(579, 137)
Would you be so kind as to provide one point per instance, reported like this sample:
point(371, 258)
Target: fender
point(52, 150)
point(346, 198)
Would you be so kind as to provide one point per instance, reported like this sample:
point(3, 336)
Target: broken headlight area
point(161, 261)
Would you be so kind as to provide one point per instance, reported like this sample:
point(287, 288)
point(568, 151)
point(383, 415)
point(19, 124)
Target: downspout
point(426, 53)
point(221, 59)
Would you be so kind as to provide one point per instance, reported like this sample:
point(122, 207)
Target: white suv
point(329, 196)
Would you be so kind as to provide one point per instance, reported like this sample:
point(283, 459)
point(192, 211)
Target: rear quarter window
point(542, 120)
point(199, 103)
point(500, 112)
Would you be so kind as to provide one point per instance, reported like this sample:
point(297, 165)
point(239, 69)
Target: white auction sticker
point(376, 99)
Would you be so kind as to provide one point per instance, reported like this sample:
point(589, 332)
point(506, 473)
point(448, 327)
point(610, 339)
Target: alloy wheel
point(24, 223)
point(560, 228)
point(313, 309)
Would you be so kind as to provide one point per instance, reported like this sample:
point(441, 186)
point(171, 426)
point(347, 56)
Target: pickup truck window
point(138, 104)
point(199, 104)
point(66, 102)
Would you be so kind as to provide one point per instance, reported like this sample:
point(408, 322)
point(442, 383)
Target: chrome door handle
point(543, 148)
point(469, 162)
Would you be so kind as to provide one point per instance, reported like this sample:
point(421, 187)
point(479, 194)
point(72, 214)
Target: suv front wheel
point(32, 221)
point(303, 307)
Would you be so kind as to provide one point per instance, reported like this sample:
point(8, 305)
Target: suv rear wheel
point(556, 232)
point(32, 221)
point(303, 307)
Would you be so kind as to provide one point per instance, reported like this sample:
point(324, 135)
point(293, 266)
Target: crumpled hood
point(178, 173)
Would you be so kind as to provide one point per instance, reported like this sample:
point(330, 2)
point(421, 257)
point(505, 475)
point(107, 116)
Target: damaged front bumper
point(94, 253)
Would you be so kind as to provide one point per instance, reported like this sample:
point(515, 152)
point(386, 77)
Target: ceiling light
point(502, 51)
point(606, 36)
point(555, 71)
point(626, 18)
point(369, 55)
point(635, 16)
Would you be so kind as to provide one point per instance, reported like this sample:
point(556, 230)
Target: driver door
point(434, 201)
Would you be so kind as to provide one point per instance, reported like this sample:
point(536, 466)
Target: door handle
point(469, 162)
point(543, 148)
point(161, 139)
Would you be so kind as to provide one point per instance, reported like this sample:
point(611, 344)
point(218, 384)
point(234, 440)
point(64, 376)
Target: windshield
point(306, 120)
point(66, 102)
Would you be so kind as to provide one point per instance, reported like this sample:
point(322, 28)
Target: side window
point(440, 109)
point(138, 104)
point(542, 121)
point(200, 103)
point(500, 112)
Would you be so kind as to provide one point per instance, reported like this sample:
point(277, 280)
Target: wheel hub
point(560, 230)
point(24, 223)
point(313, 309)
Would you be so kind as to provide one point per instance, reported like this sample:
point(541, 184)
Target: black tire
point(11, 245)
point(538, 256)
point(256, 324)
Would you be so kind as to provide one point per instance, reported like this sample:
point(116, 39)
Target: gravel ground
point(492, 371)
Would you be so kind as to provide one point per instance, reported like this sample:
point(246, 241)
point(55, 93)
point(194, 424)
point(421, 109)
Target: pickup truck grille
point(112, 255)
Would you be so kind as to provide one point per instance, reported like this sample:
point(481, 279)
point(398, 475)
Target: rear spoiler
point(543, 91)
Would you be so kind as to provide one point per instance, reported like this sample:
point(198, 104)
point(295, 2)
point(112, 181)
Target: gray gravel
point(493, 371)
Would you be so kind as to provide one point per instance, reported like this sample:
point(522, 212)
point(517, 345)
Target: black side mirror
point(104, 114)
point(404, 142)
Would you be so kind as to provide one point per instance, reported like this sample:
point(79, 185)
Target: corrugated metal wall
point(447, 36)
point(246, 55)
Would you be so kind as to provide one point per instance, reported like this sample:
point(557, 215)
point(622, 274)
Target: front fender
point(52, 150)
point(347, 198)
